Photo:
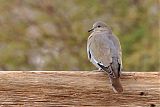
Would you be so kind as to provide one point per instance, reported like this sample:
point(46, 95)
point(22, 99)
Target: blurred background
point(52, 34)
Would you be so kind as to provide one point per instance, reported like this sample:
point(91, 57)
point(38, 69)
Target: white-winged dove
point(104, 51)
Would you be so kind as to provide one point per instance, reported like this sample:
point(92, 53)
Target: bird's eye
point(99, 26)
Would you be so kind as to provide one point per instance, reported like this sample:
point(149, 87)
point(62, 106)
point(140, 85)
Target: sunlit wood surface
point(77, 88)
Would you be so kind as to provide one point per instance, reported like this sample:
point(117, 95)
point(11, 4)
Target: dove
point(104, 51)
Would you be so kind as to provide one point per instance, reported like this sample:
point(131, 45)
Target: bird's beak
point(90, 30)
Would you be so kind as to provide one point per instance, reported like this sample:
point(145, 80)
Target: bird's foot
point(100, 70)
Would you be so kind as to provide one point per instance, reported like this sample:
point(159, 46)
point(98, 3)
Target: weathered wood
point(77, 88)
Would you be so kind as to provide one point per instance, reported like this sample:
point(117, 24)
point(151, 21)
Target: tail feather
point(116, 84)
point(113, 71)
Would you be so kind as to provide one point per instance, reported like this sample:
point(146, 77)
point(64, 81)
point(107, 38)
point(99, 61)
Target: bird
point(104, 51)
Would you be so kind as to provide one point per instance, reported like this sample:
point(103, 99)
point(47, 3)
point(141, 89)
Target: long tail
point(113, 71)
point(116, 85)
point(114, 78)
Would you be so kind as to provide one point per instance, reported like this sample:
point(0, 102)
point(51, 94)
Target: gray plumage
point(104, 51)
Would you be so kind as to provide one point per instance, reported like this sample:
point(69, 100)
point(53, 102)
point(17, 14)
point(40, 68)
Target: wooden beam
point(77, 88)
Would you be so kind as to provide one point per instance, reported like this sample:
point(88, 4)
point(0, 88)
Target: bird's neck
point(103, 30)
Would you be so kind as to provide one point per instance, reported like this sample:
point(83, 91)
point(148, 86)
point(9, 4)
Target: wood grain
point(77, 88)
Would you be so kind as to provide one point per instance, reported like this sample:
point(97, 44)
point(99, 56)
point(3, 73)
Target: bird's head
point(99, 25)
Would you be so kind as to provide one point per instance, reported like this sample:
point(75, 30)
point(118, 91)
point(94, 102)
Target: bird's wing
point(117, 45)
point(100, 48)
